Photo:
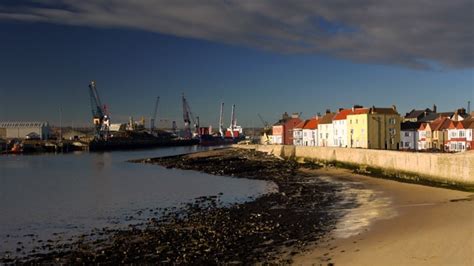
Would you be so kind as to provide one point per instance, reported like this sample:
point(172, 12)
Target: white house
point(460, 135)
point(277, 134)
point(326, 130)
point(339, 123)
point(424, 137)
point(310, 132)
point(298, 133)
point(409, 135)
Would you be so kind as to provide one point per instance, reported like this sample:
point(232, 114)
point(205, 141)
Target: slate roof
point(431, 117)
point(410, 126)
point(417, 113)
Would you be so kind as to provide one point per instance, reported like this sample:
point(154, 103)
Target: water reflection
point(47, 195)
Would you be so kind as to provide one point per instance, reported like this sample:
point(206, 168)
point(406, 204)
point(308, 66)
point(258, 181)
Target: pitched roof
point(341, 115)
point(430, 117)
point(469, 124)
point(417, 113)
point(383, 110)
point(292, 122)
point(360, 111)
point(301, 124)
point(423, 126)
point(327, 118)
point(440, 123)
point(312, 124)
point(406, 126)
point(446, 114)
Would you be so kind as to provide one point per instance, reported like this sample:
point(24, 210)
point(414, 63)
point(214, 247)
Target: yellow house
point(374, 128)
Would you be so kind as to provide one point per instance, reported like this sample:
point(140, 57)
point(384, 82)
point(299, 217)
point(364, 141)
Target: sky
point(266, 57)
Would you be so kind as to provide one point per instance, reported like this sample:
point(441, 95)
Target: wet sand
point(430, 226)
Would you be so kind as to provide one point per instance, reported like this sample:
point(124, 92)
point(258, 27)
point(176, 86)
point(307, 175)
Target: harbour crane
point(232, 121)
point(266, 126)
point(221, 121)
point(100, 117)
point(188, 117)
point(153, 117)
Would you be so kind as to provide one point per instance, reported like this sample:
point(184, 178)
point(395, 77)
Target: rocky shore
point(272, 228)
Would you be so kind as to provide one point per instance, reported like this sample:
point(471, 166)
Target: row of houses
point(378, 128)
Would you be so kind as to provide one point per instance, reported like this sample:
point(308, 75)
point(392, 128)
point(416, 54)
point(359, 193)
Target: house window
point(407, 144)
point(392, 131)
point(357, 121)
point(461, 133)
point(392, 121)
point(362, 130)
point(327, 135)
point(407, 134)
point(350, 121)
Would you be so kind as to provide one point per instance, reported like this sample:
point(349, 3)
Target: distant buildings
point(326, 130)
point(409, 135)
point(21, 130)
point(298, 133)
point(282, 131)
point(374, 128)
point(310, 132)
point(380, 128)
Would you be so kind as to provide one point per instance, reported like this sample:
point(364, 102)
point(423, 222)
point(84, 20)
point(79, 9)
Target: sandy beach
point(431, 226)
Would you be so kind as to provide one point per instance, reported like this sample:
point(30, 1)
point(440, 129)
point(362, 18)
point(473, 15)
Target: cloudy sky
point(267, 57)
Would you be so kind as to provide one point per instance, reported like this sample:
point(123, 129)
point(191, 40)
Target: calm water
point(49, 194)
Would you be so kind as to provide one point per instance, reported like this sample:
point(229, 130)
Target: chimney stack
point(468, 107)
point(328, 111)
point(394, 107)
point(434, 108)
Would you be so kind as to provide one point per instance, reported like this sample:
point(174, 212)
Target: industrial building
point(20, 130)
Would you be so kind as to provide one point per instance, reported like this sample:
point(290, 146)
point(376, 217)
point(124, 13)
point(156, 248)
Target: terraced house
point(326, 130)
point(374, 128)
point(340, 127)
point(310, 132)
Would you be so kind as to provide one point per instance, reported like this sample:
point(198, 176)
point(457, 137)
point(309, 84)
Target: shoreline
point(319, 216)
point(271, 228)
point(432, 226)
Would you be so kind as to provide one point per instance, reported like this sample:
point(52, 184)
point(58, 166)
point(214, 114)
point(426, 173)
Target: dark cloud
point(415, 33)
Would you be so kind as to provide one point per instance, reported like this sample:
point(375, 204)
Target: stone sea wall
point(457, 167)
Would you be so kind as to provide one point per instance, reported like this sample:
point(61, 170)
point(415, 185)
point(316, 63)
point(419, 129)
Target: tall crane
point(188, 117)
point(221, 121)
point(155, 112)
point(232, 121)
point(265, 123)
point(100, 117)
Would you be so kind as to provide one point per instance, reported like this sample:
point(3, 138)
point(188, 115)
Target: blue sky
point(46, 64)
